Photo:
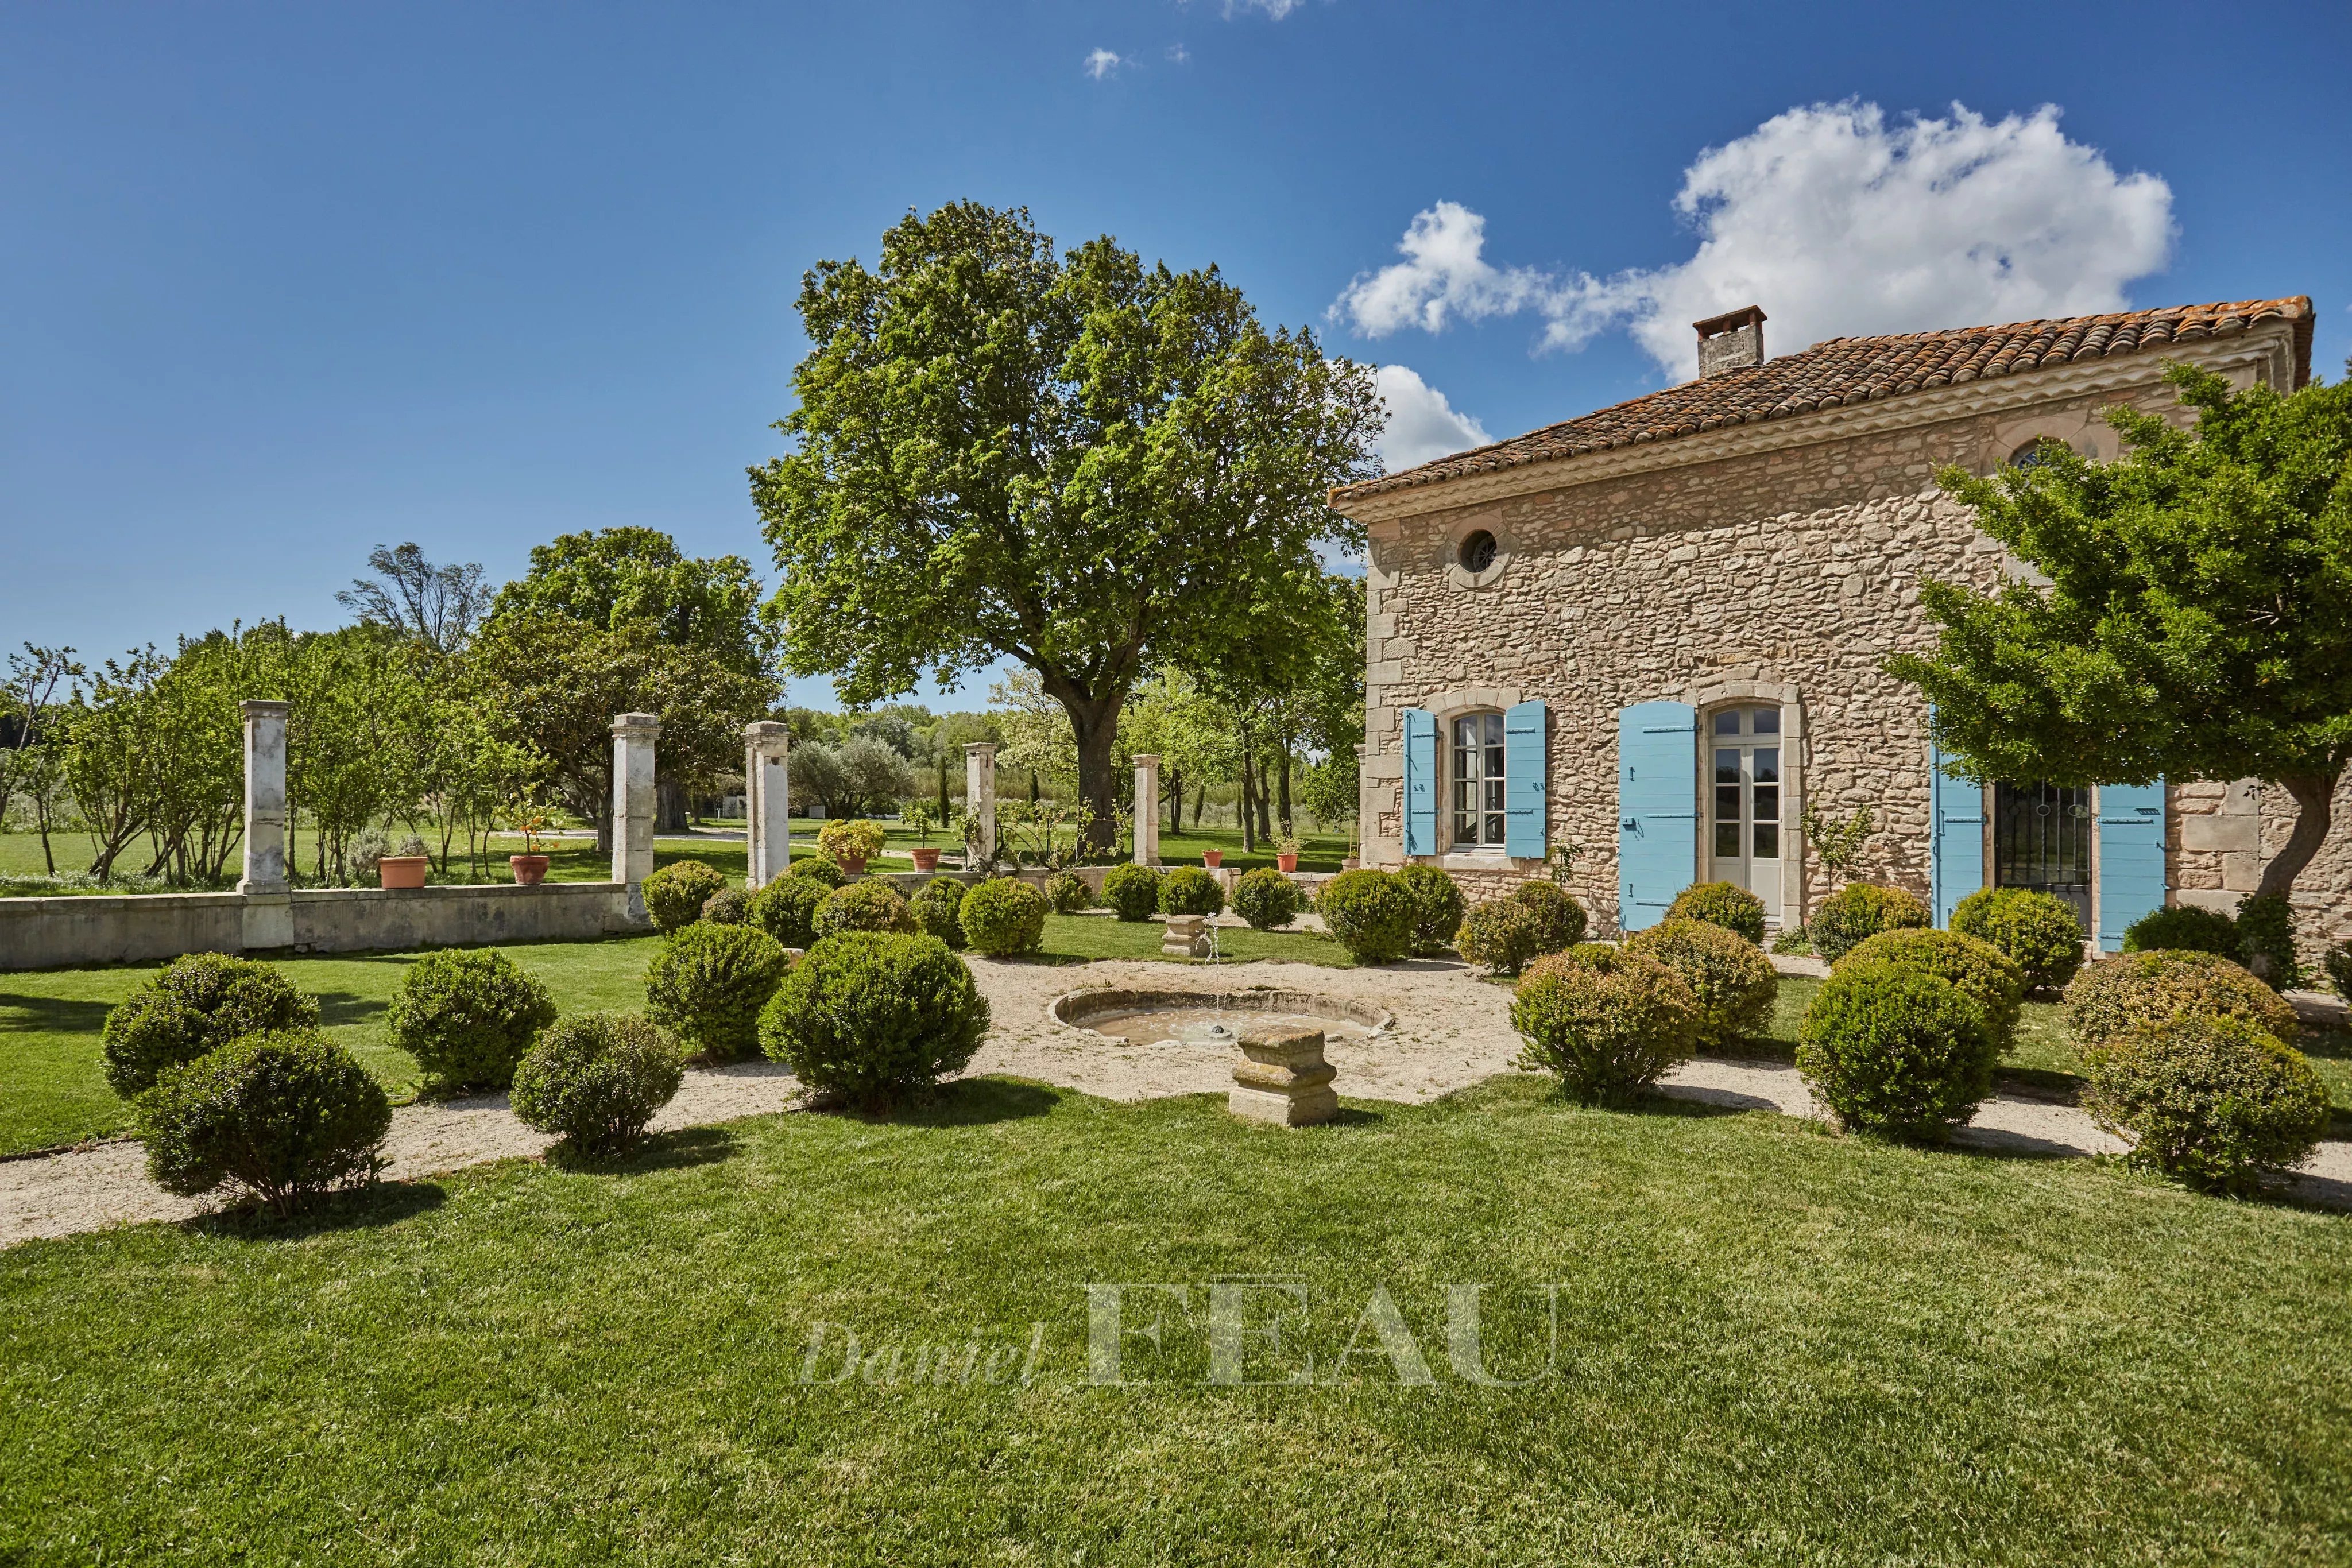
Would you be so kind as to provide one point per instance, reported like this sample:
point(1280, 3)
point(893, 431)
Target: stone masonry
point(1776, 567)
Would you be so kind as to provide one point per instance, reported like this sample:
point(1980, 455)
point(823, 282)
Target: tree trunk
point(945, 821)
point(2314, 800)
point(670, 803)
point(1265, 807)
point(1243, 807)
point(1289, 822)
point(1094, 722)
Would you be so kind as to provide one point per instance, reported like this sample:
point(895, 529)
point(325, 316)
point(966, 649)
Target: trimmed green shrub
point(467, 1016)
point(867, 906)
point(1002, 918)
point(1559, 920)
point(2183, 928)
point(1501, 936)
point(192, 1007)
point(1132, 892)
point(1985, 974)
point(2214, 1102)
point(597, 1078)
point(1437, 908)
point(2266, 942)
point(729, 906)
point(1609, 1022)
point(1724, 903)
point(1895, 1049)
point(2339, 968)
point(2118, 994)
point(786, 908)
point(1267, 899)
point(676, 894)
point(1370, 915)
point(937, 910)
point(2037, 931)
point(709, 983)
point(1732, 985)
point(1067, 893)
point(1859, 911)
point(286, 1114)
point(1189, 889)
point(818, 868)
point(871, 1016)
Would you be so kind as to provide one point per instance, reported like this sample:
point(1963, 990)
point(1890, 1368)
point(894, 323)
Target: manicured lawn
point(52, 1074)
point(1074, 937)
point(1774, 1345)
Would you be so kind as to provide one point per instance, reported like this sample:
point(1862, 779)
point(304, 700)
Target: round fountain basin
point(1195, 1017)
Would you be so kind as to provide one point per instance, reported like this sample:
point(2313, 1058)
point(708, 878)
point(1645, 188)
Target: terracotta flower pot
point(1213, 857)
point(854, 864)
point(927, 860)
point(530, 871)
point(1286, 862)
point(403, 871)
point(1350, 864)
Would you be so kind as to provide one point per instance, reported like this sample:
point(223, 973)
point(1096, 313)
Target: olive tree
point(1072, 460)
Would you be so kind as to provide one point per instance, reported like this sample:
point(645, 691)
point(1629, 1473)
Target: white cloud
point(1837, 225)
point(1422, 425)
point(1179, 55)
point(1102, 62)
point(1276, 9)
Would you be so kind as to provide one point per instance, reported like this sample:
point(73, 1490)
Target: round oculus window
point(1476, 553)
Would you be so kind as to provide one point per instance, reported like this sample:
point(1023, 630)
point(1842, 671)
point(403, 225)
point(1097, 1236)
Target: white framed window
point(1742, 748)
point(1478, 803)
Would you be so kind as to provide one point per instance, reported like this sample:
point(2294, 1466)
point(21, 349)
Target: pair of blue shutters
point(1525, 765)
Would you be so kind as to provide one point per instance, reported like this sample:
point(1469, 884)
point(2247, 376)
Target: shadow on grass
point(55, 1015)
point(972, 1103)
point(361, 1209)
point(347, 1008)
point(681, 1149)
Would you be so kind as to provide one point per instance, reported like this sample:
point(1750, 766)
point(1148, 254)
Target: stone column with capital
point(633, 804)
point(767, 803)
point(264, 796)
point(980, 796)
point(1147, 809)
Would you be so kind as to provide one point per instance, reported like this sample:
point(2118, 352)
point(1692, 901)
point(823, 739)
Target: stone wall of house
point(2221, 835)
point(1784, 575)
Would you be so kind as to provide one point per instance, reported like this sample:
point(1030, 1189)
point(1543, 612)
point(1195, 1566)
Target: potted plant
point(920, 821)
point(530, 866)
point(851, 844)
point(1285, 850)
point(1212, 858)
point(406, 869)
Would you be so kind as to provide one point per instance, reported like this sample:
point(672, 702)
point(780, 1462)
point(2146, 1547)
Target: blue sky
point(280, 283)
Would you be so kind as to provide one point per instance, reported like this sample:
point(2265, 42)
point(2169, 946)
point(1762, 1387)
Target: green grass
point(1774, 1345)
point(1072, 938)
point(53, 1085)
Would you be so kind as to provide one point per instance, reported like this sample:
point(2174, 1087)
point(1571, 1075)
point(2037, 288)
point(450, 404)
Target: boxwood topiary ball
point(2183, 928)
point(597, 1078)
point(2037, 931)
point(676, 894)
point(873, 1015)
point(1608, 1022)
point(1985, 974)
point(1500, 936)
point(1559, 920)
point(2117, 995)
point(937, 910)
point(467, 1016)
point(1067, 893)
point(287, 1115)
point(1132, 892)
point(786, 908)
point(1437, 908)
point(191, 1006)
point(863, 906)
point(1370, 915)
point(822, 868)
point(1723, 903)
point(1732, 985)
point(1895, 1049)
point(1267, 899)
point(1002, 918)
point(2214, 1102)
point(1859, 911)
point(1189, 889)
point(709, 983)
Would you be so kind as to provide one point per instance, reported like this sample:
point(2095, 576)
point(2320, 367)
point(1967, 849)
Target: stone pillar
point(767, 803)
point(1147, 811)
point(980, 793)
point(268, 917)
point(264, 796)
point(1282, 1077)
point(633, 804)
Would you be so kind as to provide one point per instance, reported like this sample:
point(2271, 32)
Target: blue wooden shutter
point(1657, 809)
point(1522, 780)
point(1955, 851)
point(1420, 781)
point(2131, 857)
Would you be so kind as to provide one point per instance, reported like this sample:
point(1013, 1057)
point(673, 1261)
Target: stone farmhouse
point(1651, 635)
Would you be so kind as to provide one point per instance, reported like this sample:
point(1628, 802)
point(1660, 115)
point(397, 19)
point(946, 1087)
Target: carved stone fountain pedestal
point(1187, 936)
point(1282, 1077)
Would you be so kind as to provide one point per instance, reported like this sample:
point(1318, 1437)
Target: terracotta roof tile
point(1850, 370)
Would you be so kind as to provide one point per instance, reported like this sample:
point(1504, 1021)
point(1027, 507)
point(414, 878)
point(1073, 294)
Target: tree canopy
point(615, 578)
point(1085, 465)
point(2197, 619)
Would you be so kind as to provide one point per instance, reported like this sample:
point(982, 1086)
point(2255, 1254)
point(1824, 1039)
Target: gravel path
point(1452, 1029)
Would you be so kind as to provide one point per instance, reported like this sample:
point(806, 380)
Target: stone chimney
point(1733, 341)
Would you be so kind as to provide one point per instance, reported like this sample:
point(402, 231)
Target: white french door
point(1743, 795)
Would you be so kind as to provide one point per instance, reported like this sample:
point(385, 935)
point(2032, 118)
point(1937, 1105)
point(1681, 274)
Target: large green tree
point(2197, 619)
point(1072, 460)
